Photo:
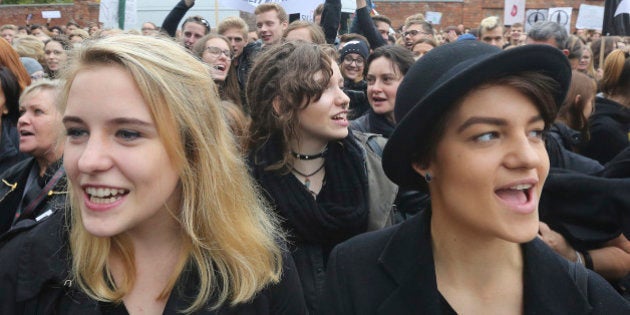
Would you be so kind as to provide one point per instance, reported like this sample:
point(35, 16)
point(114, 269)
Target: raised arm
point(175, 16)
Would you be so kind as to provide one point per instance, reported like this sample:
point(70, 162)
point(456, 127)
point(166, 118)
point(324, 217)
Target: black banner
point(616, 18)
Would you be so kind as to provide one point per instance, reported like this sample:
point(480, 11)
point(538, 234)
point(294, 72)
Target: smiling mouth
point(105, 195)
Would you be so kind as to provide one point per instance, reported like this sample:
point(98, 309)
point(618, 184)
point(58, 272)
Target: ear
point(422, 170)
point(578, 98)
point(565, 52)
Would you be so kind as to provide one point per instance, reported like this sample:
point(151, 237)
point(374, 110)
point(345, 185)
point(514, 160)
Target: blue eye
point(128, 134)
point(75, 132)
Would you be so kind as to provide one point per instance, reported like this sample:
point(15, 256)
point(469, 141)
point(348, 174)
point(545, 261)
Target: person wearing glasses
point(415, 29)
point(214, 50)
point(193, 28)
point(352, 64)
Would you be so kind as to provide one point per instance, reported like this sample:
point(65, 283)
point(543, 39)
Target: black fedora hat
point(441, 77)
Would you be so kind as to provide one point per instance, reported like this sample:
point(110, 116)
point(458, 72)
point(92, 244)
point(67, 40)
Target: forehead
point(194, 27)
point(234, 32)
point(416, 27)
point(382, 65)
point(353, 55)
point(270, 15)
point(497, 31)
point(300, 33)
point(53, 45)
point(381, 25)
point(217, 42)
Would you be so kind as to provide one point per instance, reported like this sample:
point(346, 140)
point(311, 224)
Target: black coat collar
point(549, 288)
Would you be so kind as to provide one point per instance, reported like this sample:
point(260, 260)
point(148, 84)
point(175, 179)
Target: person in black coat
point(610, 123)
point(163, 215)
point(35, 188)
point(471, 123)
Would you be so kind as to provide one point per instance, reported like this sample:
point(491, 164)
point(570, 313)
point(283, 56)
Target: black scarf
point(379, 124)
point(341, 208)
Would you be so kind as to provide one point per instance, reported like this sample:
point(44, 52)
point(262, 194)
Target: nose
point(94, 157)
point(24, 119)
point(342, 99)
point(526, 153)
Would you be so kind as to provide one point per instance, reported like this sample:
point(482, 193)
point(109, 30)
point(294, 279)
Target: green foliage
point(34, 1)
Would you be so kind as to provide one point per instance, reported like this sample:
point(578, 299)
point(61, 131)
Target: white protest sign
point(348, 6)
point(534, 15)
point(561, 16)
point(291, 6)
point(514, 12)
point(590, 17)
point(108, 14)
point(51, 14)
point(433, 17)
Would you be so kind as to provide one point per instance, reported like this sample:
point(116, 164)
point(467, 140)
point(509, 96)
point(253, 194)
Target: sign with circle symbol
point(534, 15)
point(559, 17)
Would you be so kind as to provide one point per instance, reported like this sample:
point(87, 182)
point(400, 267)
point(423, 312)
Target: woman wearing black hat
point(471, 120)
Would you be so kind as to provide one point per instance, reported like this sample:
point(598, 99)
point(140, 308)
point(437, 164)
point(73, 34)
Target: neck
point(308, 146)
point(621, 99)
point(468, 258)
point(51, 156)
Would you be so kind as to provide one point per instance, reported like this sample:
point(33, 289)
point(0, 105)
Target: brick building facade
point(454, 12)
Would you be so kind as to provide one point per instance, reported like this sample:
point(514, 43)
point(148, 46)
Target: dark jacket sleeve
point(603, 297)
point(333, 299)
point(287, 295)
point(174, 17)
point(9, 262)
point(368, 29)
point(331, 16)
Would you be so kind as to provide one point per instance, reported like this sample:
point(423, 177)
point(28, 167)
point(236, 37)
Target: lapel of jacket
point(549, 288)
point(408, 259)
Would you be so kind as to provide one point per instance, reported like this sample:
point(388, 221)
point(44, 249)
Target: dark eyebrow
point(492, 121)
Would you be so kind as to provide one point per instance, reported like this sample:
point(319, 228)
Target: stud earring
point(427, 177)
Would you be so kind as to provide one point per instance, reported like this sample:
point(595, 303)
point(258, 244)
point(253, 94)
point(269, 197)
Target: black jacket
point(9, 146)
point(609, 127)
point(34, 279)
point(560, 144)
point(12, 191)
point(392, 272)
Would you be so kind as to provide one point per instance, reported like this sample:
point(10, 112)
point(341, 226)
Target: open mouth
point(516, 195)
point(24, 133)
point(219, 67)
point(379, 99)
point(341, 116)
point(105, 195)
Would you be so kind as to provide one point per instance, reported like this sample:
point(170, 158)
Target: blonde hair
point(489, 24)
point(316, 32)
point(30, 46)
point(229, 233)
point(266, 7)
point(233, 22)
point(616, 79)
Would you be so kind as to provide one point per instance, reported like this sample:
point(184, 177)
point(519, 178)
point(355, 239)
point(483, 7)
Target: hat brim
point(454, 84)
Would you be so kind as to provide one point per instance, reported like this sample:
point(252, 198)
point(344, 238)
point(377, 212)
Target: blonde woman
point(164, 217)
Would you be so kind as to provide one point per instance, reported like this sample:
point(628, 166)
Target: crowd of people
point(292, 169)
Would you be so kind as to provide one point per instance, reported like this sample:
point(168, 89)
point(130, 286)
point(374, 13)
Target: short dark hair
point(398, 55)
point(199, 20)
point(382, 18)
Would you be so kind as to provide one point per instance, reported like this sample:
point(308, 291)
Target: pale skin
point(476, 231)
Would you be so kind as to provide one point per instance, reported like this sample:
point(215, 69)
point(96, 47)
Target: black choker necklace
point(309, 157)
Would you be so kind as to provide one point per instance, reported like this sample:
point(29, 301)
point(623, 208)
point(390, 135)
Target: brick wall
point(469, 12)
point(81, 11)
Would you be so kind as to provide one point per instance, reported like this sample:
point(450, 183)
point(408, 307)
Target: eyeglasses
point(349, 60)
point(414, 33)
point(216, 52)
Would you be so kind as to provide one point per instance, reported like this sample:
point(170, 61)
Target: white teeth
point(339, 116)
point(103, 192)
point(521, 187)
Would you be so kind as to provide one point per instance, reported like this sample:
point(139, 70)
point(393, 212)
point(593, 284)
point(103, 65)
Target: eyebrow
point(491, 121)
point(115, 121)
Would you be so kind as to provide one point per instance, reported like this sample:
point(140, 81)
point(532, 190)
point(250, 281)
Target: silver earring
point(427, 177)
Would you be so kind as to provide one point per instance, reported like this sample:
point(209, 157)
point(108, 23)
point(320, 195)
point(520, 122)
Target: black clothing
point(9, 146)
point(373, 123)
point(331, 17)
point(392, 272)
point(34, 279)
point(560, 144)
point(174, 17)
point(345, 206)
point(365, 26)
point(12, 192)
point(587, 210)
point(610, 128)
point(357, 92)
point(245, 61)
